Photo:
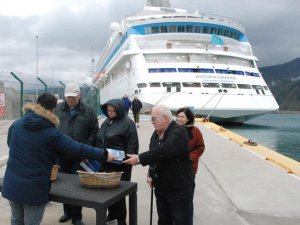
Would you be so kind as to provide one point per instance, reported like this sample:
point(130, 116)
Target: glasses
point(154, 118)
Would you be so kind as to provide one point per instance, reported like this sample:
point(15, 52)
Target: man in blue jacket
point(34, 145)
point(127, 103)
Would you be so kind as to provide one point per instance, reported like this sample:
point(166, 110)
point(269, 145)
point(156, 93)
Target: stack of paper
point(90, 165)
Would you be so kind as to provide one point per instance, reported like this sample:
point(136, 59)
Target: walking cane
point(151, 206)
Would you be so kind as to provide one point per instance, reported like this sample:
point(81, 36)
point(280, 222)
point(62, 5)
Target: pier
point(235, 185)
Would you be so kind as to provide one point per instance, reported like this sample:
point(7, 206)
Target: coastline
point(286, 112)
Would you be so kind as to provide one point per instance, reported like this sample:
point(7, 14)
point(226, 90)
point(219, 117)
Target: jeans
point(26, 214)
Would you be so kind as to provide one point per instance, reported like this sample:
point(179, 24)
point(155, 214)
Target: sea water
point(277, 131)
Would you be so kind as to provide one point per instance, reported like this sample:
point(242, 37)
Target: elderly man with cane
point(170, 169)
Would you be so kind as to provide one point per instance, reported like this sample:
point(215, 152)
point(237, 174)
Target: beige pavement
point(233, 187)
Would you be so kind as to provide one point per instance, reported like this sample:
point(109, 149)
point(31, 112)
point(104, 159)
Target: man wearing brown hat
point(80, 122)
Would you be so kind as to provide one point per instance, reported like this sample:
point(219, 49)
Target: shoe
point(64, 218)
point(110, 220)
point(78, 222)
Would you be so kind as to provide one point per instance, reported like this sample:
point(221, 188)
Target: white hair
point(163, 111)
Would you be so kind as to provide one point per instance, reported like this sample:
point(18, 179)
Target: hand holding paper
point(133, 159)
point(119, 155)
point(111, 157)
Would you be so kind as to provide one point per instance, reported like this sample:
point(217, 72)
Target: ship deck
point(234, 186)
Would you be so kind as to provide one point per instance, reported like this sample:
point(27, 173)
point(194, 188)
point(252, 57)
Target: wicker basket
point(99, 180)
point(54, 172)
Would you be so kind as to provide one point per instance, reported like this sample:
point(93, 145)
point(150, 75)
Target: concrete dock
point(234, 186)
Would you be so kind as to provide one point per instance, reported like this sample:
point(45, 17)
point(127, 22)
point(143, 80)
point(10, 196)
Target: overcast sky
point(69, 31)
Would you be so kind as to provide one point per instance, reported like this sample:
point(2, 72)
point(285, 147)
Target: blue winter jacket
point(34, 145)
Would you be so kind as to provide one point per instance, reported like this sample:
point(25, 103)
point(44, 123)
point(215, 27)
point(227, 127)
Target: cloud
point(70, 31)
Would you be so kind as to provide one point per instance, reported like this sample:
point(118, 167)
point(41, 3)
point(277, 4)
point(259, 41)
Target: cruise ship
point(170, 56)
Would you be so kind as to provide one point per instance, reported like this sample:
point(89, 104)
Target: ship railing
point(226, 61)
point(206, 48)
point(208, 18)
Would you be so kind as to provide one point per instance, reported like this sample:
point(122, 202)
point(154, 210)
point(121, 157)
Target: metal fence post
point(43, 83)
point(21, 92)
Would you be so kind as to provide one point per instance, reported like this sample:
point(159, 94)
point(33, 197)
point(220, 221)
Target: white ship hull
point(184, 69)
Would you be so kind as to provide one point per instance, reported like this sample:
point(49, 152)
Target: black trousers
point(175, 208)
point(71, 166)
point(118, 210)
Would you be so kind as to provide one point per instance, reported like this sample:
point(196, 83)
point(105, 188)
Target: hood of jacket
point(37, 117)
point(118, 105)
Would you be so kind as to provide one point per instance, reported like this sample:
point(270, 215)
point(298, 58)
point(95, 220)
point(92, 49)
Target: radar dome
point(114, 28)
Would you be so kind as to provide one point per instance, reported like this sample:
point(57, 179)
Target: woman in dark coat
point(34, 144)
point(118, 132)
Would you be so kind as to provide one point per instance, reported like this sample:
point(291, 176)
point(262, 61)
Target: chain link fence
point(17, 89)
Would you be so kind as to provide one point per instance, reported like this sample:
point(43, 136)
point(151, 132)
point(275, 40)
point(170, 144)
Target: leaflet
point(119, 153)
point(90, 165)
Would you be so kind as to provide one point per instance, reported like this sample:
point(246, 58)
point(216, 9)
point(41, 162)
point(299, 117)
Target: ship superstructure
point(173, 57)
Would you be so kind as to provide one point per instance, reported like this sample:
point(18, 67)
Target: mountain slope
point(284, 82)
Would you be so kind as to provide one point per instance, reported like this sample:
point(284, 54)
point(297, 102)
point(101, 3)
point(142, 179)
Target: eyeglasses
point(155, 119)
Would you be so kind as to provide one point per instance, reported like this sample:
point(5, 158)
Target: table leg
point(101, 216)
point(133, 208)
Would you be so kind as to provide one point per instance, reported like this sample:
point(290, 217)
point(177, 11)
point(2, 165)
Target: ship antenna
point(92, 72)
point(203, 7)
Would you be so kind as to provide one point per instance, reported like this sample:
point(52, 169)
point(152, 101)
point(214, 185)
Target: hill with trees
point(284, 82)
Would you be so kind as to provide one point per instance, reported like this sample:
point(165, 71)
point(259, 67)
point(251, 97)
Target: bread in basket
point(99, 180)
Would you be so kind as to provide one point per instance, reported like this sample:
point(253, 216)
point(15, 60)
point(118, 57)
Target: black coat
point(118, 133)
point(82, 127)
point(171, 159)
point(136, 105)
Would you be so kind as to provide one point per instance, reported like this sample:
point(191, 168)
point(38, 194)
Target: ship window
point(147, 30)
point(225, 85)
point(142, 85)
point(211, 85)
point(252, 74)
point(220, 31)
point(226, 33)
point(189, 28)
point(266, 88)
point(244, 86)
point(258, 87)
point(237, 72)
point(171, 84)
point(155, 29)
point(198, 29)
point(155, 84)
point(163, 29)
point(206, 29)
point(191, 84)
point(195, 70)
point(172, 28)
point(213, 30)
point(181, 28)
point(162, 70)
point(221, 71)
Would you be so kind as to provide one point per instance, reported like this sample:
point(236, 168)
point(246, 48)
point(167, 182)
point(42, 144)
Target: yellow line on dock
point(290, 165)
